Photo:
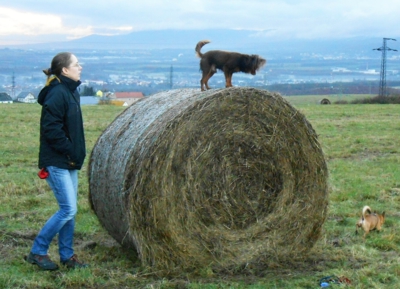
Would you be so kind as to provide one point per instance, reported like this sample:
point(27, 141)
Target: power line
point(382, 83)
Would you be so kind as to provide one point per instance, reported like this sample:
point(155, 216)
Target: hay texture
point(325, 101)
point(216, 179)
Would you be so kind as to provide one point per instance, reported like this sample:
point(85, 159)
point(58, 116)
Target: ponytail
point(59, 61)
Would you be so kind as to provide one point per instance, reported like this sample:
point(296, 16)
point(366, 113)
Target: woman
point(61, 154)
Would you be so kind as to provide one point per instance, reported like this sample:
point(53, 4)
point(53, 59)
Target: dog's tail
point(366, 211)
point(199, 46)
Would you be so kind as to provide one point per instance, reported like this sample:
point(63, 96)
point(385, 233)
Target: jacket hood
point(71, 85)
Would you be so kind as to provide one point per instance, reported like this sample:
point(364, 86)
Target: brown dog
point(370, 221)
point(228, 62)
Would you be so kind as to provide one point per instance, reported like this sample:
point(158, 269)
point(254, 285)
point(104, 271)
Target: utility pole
point(171, 76)
point(382, 83)
point(13, 86)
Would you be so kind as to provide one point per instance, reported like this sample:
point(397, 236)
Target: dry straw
point(325, 101)
point(217, 179)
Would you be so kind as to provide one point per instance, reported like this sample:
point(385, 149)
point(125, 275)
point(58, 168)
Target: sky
point(35, 21)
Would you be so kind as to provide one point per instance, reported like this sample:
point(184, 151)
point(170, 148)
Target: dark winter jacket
point(62, 140)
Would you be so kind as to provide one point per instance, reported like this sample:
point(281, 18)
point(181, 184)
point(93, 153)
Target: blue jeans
point(64, 184)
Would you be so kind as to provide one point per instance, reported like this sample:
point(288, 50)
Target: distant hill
point(247, 41)
point(169, 39)
point(222, 39)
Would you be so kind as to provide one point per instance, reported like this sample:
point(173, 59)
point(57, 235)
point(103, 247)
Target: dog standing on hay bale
point(228, 62)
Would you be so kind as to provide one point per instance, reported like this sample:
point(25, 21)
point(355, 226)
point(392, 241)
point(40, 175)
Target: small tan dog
point(370, 221)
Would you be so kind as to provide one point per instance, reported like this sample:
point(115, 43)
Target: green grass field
point(361, 145)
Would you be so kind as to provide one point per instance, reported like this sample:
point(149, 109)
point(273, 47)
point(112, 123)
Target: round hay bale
point(325, 101)
point(215, 179)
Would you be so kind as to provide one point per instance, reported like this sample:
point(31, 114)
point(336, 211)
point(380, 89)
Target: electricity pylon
point(171, 77)
point(382, 83)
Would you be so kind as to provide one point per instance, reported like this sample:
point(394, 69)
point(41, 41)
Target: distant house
point(128, 97)
point(105, 94)
point(5, 98)
point(99, 93)
point(26, 97)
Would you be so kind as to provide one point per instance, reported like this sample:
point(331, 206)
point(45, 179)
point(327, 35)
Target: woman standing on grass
point(61, 154)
